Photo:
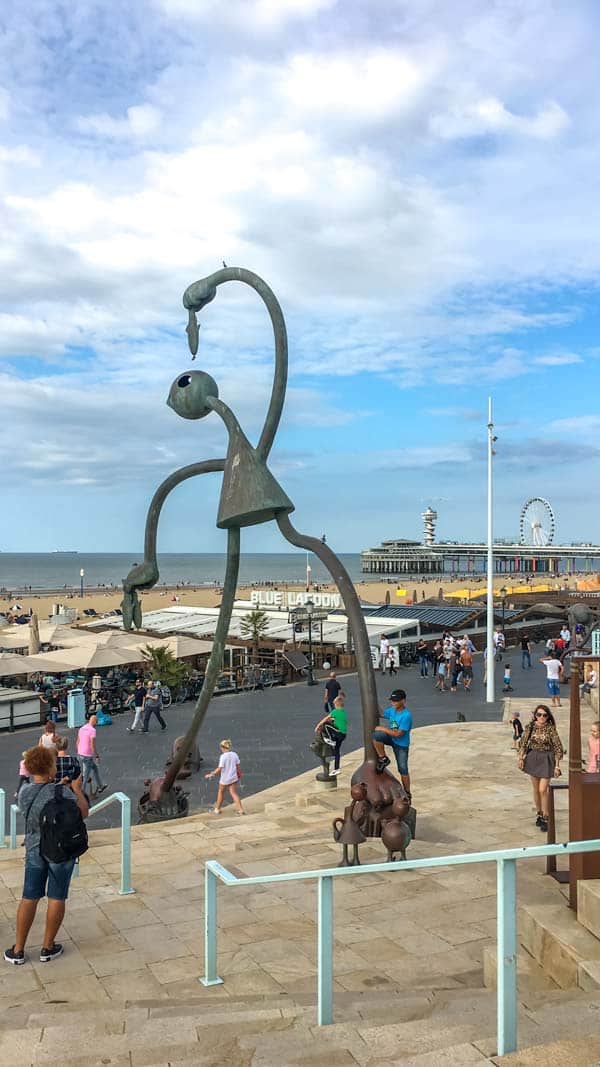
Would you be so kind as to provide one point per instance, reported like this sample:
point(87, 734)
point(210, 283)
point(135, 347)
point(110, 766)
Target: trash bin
point(75, 708)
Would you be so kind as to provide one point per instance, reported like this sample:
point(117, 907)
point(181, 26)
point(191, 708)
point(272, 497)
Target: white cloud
point(19, 154)
point(558, 359)
point(251, 14)
point(366, 83)
point(139, 122)
point(296, 138)
point(578, 426)
point(490, 115)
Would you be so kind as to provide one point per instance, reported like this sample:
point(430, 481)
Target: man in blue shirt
point(396, 734)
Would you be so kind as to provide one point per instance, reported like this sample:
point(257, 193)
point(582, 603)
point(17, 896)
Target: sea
point(60, 571)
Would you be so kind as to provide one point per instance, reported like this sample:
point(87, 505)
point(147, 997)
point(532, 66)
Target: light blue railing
point(506, 863)
point(125, 887)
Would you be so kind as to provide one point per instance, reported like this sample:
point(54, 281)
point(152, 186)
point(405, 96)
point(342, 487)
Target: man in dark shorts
point(332, 688)
point(42, 877)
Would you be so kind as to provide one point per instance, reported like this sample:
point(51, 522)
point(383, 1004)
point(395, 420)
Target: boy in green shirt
point(333, 728)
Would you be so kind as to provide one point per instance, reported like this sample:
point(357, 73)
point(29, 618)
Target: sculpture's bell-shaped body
point(250, 494)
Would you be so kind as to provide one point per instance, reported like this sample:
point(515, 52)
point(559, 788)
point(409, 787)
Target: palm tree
point(165, 667)
point(254, 627)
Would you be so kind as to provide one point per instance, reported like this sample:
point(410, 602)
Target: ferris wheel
point(536, 524)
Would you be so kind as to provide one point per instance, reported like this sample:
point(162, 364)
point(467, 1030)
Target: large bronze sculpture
point(250, 495)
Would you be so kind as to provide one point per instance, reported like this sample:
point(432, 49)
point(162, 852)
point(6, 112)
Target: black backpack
point(63, 835)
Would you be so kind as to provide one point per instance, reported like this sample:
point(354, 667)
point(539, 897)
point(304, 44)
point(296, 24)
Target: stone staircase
point(388, 1026)
point(567, 946)
point(414, 951)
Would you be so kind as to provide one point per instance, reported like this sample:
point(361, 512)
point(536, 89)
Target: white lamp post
point(489, 693)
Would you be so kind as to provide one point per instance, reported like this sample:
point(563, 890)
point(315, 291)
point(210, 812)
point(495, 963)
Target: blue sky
point(418, 183)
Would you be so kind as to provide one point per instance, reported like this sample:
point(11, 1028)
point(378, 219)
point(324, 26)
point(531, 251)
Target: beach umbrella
point(11, 640)
point(86, 658)
point(129, 641)
point(11, 664)
point(34, 635)
point(187, 646)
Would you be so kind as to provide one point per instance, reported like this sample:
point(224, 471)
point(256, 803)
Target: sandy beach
point(373, 592)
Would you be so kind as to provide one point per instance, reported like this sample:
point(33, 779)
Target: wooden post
point(584, 797)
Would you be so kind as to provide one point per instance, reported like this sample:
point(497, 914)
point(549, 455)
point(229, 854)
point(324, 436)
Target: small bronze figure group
point(362, 819)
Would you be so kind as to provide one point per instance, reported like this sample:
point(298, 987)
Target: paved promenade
point(271, 731)
point(409, 945)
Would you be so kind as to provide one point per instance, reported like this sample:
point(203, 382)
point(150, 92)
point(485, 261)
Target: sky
point(418, 183)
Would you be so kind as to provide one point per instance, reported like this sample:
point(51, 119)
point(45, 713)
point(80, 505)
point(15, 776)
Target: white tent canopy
point(185, 646)
point(11, 664)
point(87, 658)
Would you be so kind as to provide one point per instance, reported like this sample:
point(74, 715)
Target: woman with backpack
point(55, 836)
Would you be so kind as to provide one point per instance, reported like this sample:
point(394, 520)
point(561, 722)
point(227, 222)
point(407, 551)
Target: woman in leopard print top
point(540, 753)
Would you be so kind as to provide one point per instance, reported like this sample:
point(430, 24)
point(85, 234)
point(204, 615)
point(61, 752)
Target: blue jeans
point(400, 751)
point(89, 770)
point(525, 658)
point(39, 871)
point(423, 664)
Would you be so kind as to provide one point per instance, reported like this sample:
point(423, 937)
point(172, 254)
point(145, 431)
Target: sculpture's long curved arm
point(200, 293)
point(360, 637)
point(216, 657)
point(145, 575)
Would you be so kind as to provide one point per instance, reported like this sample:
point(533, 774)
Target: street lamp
point(81, 577)
point(310, 607)
point(503, 597)
point(489, 690)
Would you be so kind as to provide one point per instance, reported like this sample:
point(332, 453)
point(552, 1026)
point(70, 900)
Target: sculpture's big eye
point(187, 395)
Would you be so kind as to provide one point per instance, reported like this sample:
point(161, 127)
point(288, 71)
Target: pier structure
point(400, 557)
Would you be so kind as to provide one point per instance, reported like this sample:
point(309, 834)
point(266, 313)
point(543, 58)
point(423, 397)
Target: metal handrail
point(506, 892)
point(125, 887)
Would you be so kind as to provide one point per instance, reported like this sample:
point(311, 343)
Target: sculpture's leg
point(145, 575)
point(216, 657)
point(360, 637)
point(382, 788)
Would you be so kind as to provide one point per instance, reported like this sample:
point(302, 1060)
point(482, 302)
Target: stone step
point(577, 1052)
point(588, 905)
point(417, 1029)
point(530, 976)
point(221, 1009)
point(567, 952)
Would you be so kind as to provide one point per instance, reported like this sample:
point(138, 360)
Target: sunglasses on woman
point(541, 715)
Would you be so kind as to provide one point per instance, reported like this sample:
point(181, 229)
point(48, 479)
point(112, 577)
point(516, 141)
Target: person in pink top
point(88, 754)
point(594, 749)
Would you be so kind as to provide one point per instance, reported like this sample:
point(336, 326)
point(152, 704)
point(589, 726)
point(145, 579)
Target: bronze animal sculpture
point(395, 832)
point(347, 831)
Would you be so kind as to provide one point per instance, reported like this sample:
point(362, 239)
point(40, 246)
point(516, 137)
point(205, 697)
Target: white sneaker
point(335, 773)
